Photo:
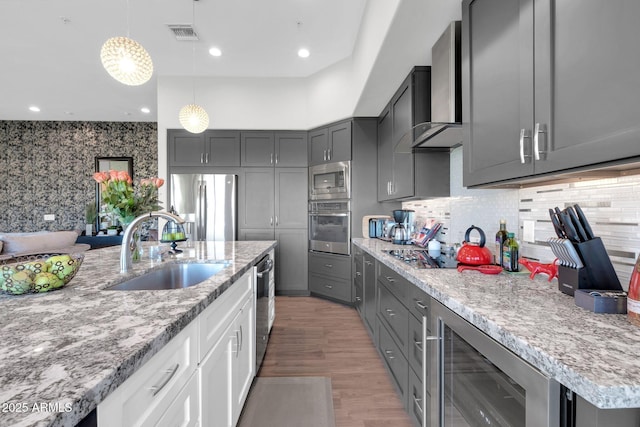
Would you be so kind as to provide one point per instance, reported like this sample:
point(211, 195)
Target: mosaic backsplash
point(46, 168)
point(612, 207)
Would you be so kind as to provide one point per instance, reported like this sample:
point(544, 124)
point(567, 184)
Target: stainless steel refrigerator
point(208, 203)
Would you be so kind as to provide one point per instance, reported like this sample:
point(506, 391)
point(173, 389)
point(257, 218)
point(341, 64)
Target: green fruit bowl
point(39, 273)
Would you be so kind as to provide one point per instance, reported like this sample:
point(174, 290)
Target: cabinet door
point(385, 154)
point(258, 197)
point(216, 379)
point(244, 363)
point(223, 148)
point(339, 146)
point(587, 92)
point(318, 144)
point(497, 64)
point(291, 149)
point(291, 261)
point(291, 197)
point(402, 159)
point(369, 290)
point(185, 148)
point(258, 148)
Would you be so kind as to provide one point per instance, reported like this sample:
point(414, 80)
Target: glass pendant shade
point(194, 118)
point(126, 61)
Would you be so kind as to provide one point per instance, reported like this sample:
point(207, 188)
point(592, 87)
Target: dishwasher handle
point(268, 268)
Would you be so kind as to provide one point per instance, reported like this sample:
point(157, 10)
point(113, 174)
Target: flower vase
point(135, 244)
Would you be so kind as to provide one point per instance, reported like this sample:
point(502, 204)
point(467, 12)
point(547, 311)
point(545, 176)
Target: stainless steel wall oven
point(330, 227)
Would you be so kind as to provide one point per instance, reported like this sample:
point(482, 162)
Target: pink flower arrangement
point(120, 198)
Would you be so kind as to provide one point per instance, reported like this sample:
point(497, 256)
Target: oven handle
point(328, 214)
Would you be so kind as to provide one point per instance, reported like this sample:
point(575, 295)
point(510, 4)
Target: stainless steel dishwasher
point(262, 270)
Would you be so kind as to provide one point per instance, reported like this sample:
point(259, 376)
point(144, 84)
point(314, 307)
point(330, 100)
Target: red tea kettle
point(474, 254)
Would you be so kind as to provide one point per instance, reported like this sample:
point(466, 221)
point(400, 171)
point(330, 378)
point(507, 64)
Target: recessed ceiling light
point(214, 51)
point(145, 110)
point(34, 109)
point(303, 53)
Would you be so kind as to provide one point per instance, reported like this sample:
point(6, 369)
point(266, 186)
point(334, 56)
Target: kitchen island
point(595, 355)
point(64, 351)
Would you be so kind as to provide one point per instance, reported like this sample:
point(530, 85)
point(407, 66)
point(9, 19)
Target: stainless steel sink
point(171, 276)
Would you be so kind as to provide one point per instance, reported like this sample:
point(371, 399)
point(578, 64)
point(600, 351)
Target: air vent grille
point(183, 32)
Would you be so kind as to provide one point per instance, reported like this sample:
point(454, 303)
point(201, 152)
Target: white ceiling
point(49, 49)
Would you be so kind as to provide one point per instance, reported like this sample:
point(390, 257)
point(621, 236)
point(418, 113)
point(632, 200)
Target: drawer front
point(184, 411)
point(395, 316)
point(397, 284)
point(417, 405)
point(330, 265)
point(419, 303)
point(394, 360)
point(214, 319)
point(414, 353)
point(332, 287)
point(140, 400)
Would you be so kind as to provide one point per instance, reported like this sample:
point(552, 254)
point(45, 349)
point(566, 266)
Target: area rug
point(289, 402)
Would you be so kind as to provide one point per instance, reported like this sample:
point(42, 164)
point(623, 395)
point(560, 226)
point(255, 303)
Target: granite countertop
point(595, 355)
point(64, 351)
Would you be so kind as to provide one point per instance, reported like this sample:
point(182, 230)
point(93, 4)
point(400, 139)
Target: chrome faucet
point(125, 250)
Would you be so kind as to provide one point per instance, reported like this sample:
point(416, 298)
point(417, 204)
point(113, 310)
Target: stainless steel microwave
point(330, 181)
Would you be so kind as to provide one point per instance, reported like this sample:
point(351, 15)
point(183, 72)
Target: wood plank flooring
point(314, 337)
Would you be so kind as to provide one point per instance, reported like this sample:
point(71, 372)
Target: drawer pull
point(368, 262)
point(389, 354)
point(170, 373)
point(358, 273)
point(328, 286)
point(421, 305)
point(358, 299)
point(328, 265)
point(390, 312)
point(418, 345)
point(390, 279)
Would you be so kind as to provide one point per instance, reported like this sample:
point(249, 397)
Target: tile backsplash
point(611, 205)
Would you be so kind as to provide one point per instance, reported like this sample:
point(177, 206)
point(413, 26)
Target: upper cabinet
point(330, 144)
point(268, 148)
point(403, 172)
point(548, 87)
point(210, 148)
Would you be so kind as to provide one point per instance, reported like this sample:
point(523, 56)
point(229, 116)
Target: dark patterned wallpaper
point(46, 168)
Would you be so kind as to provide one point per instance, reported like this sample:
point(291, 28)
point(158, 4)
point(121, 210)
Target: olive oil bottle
point(501, 236)
point(510, 253)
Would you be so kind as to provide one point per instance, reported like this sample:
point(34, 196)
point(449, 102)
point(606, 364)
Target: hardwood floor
point(314, 337)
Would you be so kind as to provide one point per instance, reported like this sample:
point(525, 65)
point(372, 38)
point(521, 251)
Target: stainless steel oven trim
point(542, 393)
point(329, 194)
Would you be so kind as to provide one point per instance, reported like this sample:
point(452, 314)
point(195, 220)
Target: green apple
point(6, 271)
point(44, 282)
point(20, 282)
point(35, 266)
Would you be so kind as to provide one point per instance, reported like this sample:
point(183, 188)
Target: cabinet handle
point(329, 154)
point(418, 403)
point(324, 155)
point(277, 220)
point(418, 345)
point(523, 136)
point(368, 262)
point(389, 354)
point(271, 159)
point(390, 279)
point(270, 220)
point(328, 286)
point(329, 265)
point(358, 299)
point(237, 344)
point(390, 312)
point(276, 155)
point(241, 339)
point(206, 158)
point(421, 305)
point(169, 374)
point(201, 157)
point(358, 273)
point(537, 130)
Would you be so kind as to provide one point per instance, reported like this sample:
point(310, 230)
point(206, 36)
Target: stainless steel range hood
point(445, 129)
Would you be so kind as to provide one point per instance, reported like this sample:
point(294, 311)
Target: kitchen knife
point(583, 220)
point(573, 254)
point(556, 224)
point(568, 227)
point(576, 223)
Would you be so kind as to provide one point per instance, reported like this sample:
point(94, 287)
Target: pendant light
point(192, 116)
point(126, 60)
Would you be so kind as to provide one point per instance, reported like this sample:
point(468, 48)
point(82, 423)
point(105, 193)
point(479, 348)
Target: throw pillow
point(39, 242)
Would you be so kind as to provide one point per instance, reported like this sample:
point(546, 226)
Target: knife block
point(597, 272)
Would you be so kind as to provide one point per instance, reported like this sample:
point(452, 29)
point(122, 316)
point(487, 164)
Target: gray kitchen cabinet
point(358, 275)
point(330, 276)
point(292, 269)
point(330, 144)
point(536, 100)
point(369, 289)
point(403, 172)
point(210, 148)
point(291, 197)
point(258, 198)
point(268, 148)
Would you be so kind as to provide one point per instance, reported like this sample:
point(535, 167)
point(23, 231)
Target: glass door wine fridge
point(481, 383)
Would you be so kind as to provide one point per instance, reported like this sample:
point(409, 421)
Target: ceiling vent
point(183, 32)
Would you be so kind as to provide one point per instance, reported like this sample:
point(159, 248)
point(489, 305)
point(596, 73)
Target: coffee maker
point(401, 231)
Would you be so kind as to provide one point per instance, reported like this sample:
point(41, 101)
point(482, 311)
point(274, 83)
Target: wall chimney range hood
point(445, 128)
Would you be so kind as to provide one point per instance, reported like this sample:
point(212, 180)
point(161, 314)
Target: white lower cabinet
point(199, 378)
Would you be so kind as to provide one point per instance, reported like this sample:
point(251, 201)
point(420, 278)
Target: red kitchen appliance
point(474, 254)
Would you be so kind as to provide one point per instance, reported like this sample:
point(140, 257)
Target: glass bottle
point(633, 296)
point(510, 253)
point(501, 236)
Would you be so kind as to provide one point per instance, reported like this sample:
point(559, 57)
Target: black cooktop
point(420, 258)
